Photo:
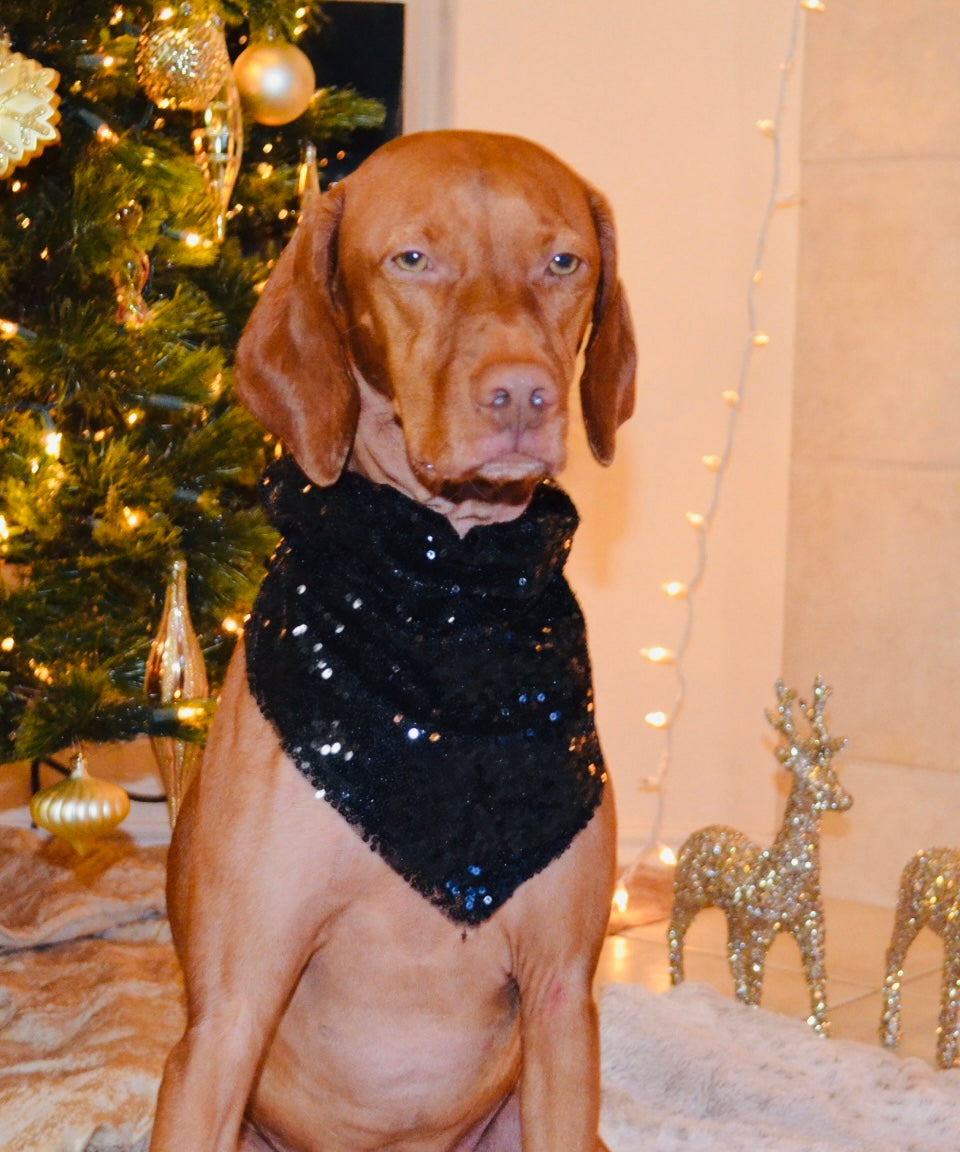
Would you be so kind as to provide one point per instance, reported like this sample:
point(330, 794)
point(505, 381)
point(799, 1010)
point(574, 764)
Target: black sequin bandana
point(435, 690)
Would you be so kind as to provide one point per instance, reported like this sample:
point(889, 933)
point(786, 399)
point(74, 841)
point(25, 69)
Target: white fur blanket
point(692, 1070)
point(91, 1000)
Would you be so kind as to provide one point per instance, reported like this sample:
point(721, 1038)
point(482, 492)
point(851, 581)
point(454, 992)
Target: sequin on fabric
point(435, 690)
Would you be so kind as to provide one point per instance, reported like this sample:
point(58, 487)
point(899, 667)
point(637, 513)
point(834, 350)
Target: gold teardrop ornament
point(80, 809)
point(175, 675)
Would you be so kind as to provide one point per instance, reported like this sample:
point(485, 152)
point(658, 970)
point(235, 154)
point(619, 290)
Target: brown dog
point(420, 331)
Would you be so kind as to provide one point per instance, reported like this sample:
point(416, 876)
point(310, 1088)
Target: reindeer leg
point(743, 957)
point(948, 1031)
point(688, 900)
point(676, 933)
point(809, 937)
point(906, 926)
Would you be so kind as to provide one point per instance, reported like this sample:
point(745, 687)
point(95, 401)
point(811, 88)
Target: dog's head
point(456, 274)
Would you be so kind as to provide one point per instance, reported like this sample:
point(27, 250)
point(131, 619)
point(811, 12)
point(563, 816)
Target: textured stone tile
point(880, 79)
point(873, 603)
point(878, 335)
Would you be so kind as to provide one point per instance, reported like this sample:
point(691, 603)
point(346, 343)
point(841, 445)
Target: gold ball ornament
point(81, 808)
point(182, 58)
point(28, 108)
point(276, 81)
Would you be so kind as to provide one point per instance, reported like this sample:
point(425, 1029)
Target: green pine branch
point(121, 444)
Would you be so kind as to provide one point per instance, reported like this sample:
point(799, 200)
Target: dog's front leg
point(561, 917)
point(246, 893)
point(560, 1085)
point(243, 943)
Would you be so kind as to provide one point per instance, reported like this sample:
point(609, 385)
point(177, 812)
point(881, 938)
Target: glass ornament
point(81, 808)
point(218, 147)
point(182, 58)
point(276, 81)
point(175, 674)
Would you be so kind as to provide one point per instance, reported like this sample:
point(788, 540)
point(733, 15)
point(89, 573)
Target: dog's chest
point(435, 691)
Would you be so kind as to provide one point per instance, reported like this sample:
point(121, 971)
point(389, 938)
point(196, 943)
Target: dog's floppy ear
point(291, 365)
point(607, 383)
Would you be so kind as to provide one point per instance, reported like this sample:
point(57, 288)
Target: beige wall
point(657, 105)
point(835, 548)
point(873, 571)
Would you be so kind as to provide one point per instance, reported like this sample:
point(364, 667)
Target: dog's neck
point(379, 453)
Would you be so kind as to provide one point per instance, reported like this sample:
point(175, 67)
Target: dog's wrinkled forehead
point(511, 182)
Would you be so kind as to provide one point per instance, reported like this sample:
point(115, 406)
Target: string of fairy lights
point(684, 592)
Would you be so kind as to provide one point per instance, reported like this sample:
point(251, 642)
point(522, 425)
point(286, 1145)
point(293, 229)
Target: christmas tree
point(148, 175)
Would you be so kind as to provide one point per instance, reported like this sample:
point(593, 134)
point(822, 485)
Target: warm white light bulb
point(657, 719)
point(711, 463)
point(675, 589)
point(666, 855)
point(695, 519)
point(658, 655)
point(760, 339)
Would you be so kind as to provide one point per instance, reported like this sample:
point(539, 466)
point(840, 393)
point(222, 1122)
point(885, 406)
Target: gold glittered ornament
point(28, 108)
point(764, 891)
point(80, 809)
point(175, 676)
point(182, 58)
point(929, 897)
point(276, 81)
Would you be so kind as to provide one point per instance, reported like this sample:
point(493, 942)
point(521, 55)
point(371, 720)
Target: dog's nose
point(517, 395)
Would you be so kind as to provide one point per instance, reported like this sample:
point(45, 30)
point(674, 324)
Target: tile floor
point(857, 939)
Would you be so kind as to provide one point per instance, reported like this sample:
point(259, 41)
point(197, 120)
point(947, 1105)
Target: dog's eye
point(412, 261)
point(563, 264)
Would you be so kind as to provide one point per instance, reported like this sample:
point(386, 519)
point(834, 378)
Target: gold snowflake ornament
point(28, 108)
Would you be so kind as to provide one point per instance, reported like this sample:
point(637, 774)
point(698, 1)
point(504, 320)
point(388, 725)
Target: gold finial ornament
point(218, 148)
point(80, 809)
point(308, 176)
point(175, 675)
point(764, 891)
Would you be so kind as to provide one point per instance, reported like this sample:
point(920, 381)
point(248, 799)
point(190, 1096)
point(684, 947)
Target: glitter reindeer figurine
point(764, 891)
point(929, 897)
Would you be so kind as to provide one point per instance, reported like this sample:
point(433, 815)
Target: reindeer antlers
point(819, 747)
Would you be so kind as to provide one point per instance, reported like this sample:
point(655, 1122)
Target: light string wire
point(756, 340)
